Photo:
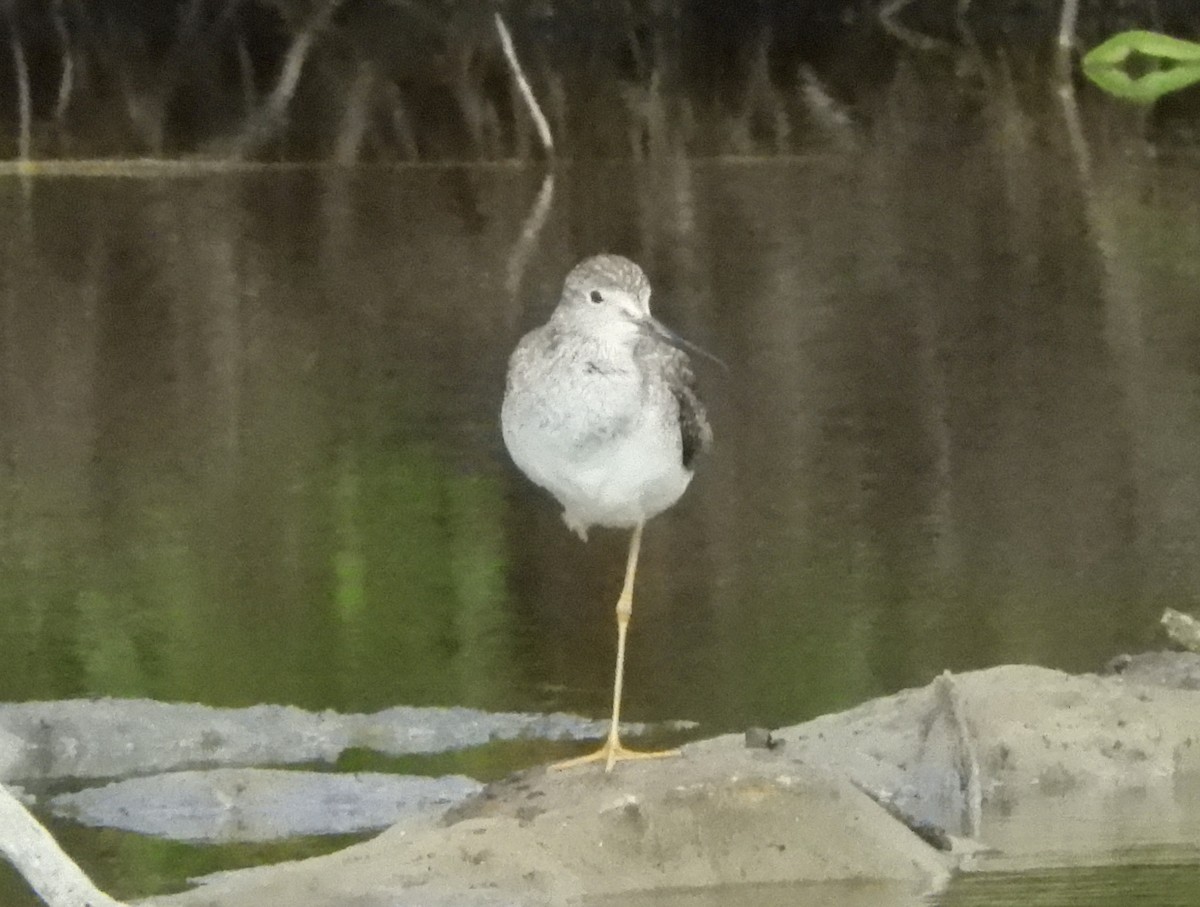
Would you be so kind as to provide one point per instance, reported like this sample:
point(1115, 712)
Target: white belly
point(618, 481)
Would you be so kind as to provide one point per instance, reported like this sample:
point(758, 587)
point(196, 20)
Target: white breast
point(615, 461)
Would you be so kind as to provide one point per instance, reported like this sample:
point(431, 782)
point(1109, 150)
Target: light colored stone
point(735, 819)
point(255, 804)
point(115, 738)
point(1183, 629)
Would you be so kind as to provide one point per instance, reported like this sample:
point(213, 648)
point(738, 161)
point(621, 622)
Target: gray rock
point(1175, 670)
point(1070, 753)
point(227, 805)
point(737, 817)
point(114, 738)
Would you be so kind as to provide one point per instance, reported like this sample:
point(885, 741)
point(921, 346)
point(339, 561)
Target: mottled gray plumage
point(601, 407)
point(601, 410)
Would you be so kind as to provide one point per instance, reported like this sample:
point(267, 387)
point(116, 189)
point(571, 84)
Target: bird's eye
point(596, 296)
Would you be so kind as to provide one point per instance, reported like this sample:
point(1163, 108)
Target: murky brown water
point(249, 447)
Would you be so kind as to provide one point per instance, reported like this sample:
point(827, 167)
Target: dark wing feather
point(694, 430)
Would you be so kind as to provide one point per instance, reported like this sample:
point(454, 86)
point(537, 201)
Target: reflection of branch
point(530, 231)
point(539, 120)
point(37, 857)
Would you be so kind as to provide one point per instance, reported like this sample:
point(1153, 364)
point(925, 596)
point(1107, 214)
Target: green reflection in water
point(1147, 885)
point(376, 581)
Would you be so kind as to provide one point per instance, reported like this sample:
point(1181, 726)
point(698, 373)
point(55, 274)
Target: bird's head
point(609, 296)
point(608, 293)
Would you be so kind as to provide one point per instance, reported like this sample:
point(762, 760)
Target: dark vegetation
point(425, 79)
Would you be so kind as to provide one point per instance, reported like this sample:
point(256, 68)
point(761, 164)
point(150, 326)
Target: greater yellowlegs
point(600, 409)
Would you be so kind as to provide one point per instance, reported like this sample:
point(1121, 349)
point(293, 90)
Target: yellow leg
point(613, 751)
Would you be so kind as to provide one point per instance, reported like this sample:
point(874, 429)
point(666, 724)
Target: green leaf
point(1145, 89)
point(1118, 48)
point(1172, 64)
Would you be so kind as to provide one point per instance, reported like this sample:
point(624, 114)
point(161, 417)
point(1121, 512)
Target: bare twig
point(1066, 91)
point(535, 111)
point(763, 99)
point(293, 62)
point(530, 230)
point(826, 111)
point(400, 123)
point(649, 128)
point(967, 35)
point(246, 74)
point(66, 82)
point(25, 105)
point(1066, 46)
point(887, 18)
point(265, 123)
point(631, 38)
point(354, 119)
point(961, 9)
point(36, 855)
point(1075, 133)
point(556, 95)
point(1066, 26)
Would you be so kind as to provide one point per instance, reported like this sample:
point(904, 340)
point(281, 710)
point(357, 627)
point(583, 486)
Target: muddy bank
point(1010, 766)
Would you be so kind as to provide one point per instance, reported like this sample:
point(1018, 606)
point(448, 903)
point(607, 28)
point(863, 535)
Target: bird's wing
point(694, 431)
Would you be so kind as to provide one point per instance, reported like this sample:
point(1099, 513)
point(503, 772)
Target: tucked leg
point(613, 751)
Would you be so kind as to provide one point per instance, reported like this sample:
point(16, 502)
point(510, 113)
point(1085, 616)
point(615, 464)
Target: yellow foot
point(610, 754)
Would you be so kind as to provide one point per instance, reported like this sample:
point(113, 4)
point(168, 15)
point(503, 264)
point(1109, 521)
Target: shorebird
point(601, 410)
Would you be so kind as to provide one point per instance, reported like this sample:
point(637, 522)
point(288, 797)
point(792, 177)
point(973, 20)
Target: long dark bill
point(680, 343)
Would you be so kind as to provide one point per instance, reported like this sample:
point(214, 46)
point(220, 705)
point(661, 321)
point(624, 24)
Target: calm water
point(249, 447)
